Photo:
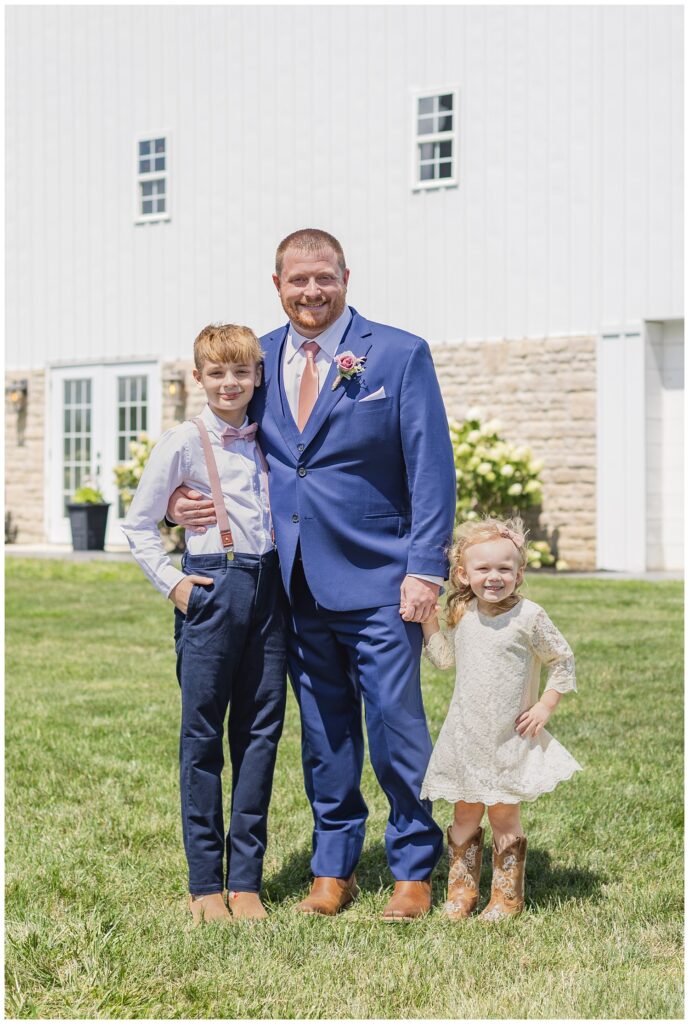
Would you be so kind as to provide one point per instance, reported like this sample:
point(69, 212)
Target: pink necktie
point(308, 389)
point(244, 433)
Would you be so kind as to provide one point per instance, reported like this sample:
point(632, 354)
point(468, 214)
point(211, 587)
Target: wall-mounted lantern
point(16, 394)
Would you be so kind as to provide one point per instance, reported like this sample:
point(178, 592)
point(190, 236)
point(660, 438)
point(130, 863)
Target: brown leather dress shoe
point(408, 901)
point(205, 909)
point(329, 895)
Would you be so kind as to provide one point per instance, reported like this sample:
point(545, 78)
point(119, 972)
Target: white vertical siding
point(621, 456)
point(567, 216)
point(664, 433)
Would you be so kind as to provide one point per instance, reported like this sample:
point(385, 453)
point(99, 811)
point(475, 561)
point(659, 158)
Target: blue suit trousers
point(337, 659)
point(230, 653)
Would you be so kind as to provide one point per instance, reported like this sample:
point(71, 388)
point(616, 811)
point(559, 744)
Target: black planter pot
point(88, 523)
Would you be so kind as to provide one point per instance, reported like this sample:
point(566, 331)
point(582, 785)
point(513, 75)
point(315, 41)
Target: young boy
point(229, 622)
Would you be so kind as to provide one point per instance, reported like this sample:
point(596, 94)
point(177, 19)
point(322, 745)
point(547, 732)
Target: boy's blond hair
point(475, 532)
point(226, 343)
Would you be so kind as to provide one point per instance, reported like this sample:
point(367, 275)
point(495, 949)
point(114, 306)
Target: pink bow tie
point(240, 433)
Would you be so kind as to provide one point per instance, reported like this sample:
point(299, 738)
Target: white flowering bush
point(496, 477)
point(127, 476)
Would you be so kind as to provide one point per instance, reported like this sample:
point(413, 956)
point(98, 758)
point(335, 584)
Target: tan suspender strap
point(216, 490)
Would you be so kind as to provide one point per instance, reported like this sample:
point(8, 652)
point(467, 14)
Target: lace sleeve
point(440, 649)
point(554, 651)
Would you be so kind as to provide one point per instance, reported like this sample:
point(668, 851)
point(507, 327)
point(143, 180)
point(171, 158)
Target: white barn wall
point(564, 220)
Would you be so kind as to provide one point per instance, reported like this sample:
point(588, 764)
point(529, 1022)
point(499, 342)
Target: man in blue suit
point(362, 487)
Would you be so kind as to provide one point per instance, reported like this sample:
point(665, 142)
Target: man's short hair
point(226, 343)
point(311, 240)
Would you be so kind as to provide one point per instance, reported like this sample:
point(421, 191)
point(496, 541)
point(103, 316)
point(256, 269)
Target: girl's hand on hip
point(532, 721)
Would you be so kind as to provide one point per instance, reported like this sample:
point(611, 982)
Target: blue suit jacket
point(368, 489)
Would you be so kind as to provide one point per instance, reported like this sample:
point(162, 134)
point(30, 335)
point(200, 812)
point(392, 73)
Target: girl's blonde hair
point(475, 531)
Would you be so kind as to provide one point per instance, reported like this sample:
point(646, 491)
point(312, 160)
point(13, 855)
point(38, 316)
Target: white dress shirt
point(177, 458)
point(294, 363)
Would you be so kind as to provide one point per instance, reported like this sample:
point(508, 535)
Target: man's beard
point(305, 318)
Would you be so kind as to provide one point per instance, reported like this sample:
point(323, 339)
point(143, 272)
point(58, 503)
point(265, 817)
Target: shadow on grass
point(547, 885)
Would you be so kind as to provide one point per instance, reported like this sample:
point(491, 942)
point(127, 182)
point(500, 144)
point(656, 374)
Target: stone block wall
point(544, 392)
point(25, 461)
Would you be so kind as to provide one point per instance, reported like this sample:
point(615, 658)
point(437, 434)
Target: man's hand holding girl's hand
point(532, 721)
point(180, 594)
point(418, 599)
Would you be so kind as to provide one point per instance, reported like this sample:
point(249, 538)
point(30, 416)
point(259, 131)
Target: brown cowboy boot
point(329, 895)
point(409, 900)
point(464, 875)
point(507, 890)
point(206, 909)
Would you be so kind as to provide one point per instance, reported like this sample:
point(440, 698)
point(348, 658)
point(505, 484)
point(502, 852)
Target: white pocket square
point(380, 393)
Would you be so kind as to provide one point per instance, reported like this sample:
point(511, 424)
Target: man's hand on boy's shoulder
point(180, 594)
point(190, 509)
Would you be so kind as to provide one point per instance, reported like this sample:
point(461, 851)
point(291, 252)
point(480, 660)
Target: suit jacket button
point(300, 447)
point(302, 471)
point(295, 517)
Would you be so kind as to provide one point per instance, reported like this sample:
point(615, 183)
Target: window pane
point(426, 125)
point(445, 102)
point(445, 149)
point(122, 453)
point(144, 166)
point(427, 172)
point(160, 145)
point(159, 163)
point(445, 170)
point(426, 150)
point(66, 421)
point(144, 417)
point(144, 148)
point(160, 206)
point(87, 396)
point(146, 188)
point(122, 424)
point(159, 186)
point(426, 105)
point(147, 206)
point(120, 388)
point(77, 421)
point(445, 123)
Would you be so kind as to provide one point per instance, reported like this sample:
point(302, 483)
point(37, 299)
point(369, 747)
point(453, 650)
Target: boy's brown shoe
point(464, 875)
point(409, 900)
point(246, 905)
point(205, 909)
point(329, 895)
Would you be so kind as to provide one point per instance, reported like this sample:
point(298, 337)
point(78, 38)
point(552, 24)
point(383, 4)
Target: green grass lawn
point(95, 872)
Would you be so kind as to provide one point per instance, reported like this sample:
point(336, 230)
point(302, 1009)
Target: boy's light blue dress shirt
point(178, 458)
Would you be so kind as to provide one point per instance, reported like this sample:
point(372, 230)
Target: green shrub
point(496, 477)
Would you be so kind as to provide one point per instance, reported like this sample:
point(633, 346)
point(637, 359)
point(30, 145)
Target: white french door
point(96, 410)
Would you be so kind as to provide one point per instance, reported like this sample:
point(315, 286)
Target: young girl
point(493, 750)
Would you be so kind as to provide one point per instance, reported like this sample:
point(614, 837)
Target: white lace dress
point(479, 756)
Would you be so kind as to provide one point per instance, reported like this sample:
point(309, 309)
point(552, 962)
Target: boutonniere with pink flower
point(348, 366)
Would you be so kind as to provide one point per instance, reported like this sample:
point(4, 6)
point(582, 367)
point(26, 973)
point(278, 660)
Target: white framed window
point(152, 177)
point(435, 113)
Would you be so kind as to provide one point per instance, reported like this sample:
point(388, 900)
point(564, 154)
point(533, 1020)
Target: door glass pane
point(76, 443)
point(131, 416)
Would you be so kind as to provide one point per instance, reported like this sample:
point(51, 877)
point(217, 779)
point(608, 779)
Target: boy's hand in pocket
point(180, 594)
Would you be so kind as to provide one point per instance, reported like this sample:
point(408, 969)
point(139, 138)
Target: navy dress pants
point(336, 660)
point(230, 653)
